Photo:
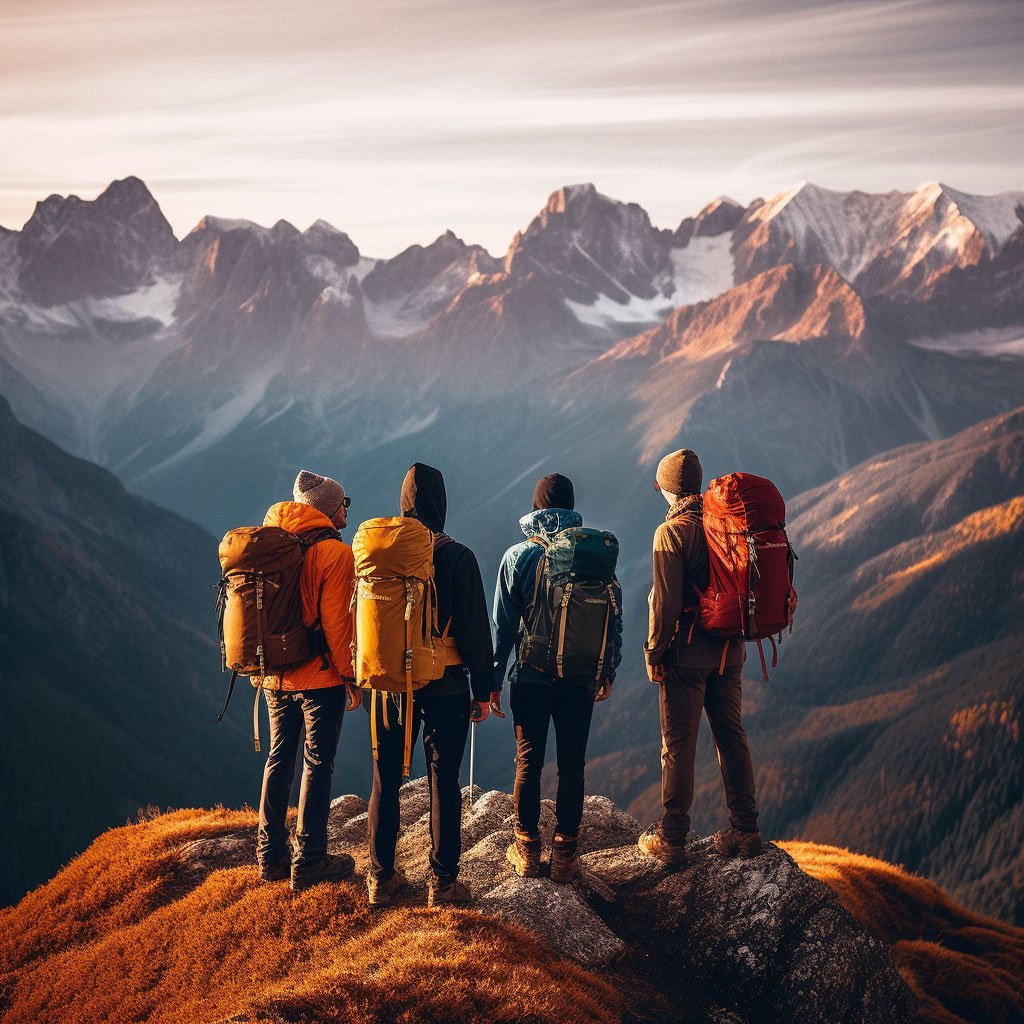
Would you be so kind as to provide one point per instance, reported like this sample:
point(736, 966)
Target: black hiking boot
point(332, 868)
point(565, 861)
point(524, 855)
point(276, 871)
point(654, 844)
point(733, 842)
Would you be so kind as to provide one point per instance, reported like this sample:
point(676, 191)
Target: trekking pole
point(472, 756)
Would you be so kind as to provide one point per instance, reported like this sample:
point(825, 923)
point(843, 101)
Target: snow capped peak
point(996, 217)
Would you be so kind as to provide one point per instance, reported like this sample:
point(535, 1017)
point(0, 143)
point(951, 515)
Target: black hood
point(423, 496)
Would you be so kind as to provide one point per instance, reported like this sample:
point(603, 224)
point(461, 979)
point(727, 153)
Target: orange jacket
point(328, 565)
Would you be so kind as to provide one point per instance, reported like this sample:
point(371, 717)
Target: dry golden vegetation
point(134, 930)
point(124, 934)
point(961, 966)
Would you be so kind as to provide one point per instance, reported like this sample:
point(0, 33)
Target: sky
point(398, 119)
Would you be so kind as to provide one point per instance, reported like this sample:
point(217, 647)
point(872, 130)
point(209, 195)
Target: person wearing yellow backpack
point(443, 707)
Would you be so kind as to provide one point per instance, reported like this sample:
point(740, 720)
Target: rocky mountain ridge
point(719, 941)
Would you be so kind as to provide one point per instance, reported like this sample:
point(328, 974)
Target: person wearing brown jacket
point(695, 672)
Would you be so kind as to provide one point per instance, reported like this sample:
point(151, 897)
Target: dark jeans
point(445, 722)
point(684, 694)
point(320, 712)
point(571, 707)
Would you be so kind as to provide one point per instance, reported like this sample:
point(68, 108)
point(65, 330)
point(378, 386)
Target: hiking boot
point(455, 893)
point(732, 842)
point(524, 855)
point(565, 861)
point(276, 871)
point(654, 844)
point(380, 894)
point(331, 868)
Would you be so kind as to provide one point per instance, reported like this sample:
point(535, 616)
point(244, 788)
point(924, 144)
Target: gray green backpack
point(568, 629)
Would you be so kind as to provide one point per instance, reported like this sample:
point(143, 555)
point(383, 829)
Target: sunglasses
point(346, 502)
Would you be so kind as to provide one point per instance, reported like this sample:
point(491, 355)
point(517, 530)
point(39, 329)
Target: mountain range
point(802, 337)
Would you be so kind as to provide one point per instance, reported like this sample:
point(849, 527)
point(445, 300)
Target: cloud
point(396, 120)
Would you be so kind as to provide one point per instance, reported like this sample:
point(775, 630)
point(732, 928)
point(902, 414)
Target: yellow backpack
point(396, 646)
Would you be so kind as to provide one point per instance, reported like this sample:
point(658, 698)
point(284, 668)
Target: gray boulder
point(558, 914)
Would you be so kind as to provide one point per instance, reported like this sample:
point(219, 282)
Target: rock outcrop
point(766, 941)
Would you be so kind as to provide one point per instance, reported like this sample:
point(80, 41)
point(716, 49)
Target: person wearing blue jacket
point(539, 699)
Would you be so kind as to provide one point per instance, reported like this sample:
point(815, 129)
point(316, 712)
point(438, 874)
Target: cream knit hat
point(323, 493)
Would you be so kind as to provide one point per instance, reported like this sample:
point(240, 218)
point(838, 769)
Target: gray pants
point(684, 694)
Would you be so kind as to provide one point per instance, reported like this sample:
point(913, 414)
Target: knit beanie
point(680, 473)
point(554, 491)
point(323, 493)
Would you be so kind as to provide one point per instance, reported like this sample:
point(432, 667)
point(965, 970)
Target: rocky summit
point(753, 940)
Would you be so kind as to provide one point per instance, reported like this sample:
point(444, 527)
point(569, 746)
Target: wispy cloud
point(399, 119)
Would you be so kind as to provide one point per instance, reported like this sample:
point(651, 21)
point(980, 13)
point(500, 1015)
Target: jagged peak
point(210, 223)
point(570, 195)
point(284, 230)
point(321, 226)
point(131, 188)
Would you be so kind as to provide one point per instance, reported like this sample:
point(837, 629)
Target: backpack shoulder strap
point(310, 537)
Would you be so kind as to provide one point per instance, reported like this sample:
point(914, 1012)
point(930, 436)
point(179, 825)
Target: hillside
point(167, 921)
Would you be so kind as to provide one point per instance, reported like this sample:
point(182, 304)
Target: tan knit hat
point(680, 473)
point(323, 493)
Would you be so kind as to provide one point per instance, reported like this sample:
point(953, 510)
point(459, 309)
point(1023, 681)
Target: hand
point(656, 673)
point(495, 704)
point(604, 691)
point(355, 696)
point(479, 711)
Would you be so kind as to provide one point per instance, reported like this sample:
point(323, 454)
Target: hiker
point(312, 695)
point(695, 672)
point(443, 707)
point(552, 681)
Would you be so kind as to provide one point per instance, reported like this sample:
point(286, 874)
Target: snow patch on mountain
point(156, 301)
point(996, 216)
point(605, 313)
point(702, 269)
point(851, 227)
point(996, 341)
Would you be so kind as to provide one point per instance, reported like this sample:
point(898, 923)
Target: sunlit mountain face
point(801, 337)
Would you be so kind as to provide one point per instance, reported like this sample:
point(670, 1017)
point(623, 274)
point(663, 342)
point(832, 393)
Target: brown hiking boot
point(654, 844)
point(565, 861)
point(524, 856)
point(332, 868)
point(455, 893)
point(380, 894)
point(732, 842)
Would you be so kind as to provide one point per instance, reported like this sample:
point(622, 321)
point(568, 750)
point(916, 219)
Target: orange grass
point(121, 934)
point(961, 966)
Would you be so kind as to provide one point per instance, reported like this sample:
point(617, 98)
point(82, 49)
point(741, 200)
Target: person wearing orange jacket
point(312, 695)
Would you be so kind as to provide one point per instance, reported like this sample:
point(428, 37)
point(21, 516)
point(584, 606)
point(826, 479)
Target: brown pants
point(684, 694)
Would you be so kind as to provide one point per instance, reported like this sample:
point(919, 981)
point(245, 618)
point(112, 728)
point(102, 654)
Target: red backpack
point(750, 593)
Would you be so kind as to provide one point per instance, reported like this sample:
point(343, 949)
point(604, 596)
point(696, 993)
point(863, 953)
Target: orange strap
point(764, 667)
point(451, 649)
point(721, 664)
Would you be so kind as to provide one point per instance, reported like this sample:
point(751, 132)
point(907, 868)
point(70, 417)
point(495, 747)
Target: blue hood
point(546, 522)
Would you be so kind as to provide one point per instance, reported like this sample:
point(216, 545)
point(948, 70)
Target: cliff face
point(167, 920)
